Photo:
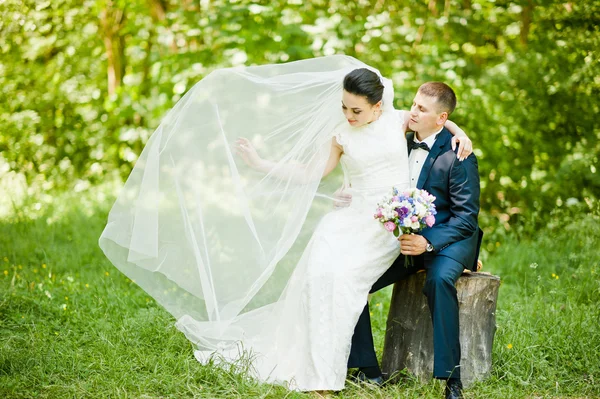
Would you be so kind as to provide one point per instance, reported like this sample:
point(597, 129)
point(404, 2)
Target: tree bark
point(409, 336)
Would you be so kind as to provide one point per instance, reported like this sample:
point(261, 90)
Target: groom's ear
point(442, 118)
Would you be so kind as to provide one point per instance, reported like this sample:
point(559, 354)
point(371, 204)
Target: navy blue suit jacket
point(455, 185)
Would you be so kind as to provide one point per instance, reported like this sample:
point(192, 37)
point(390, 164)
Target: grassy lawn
point(72, 326)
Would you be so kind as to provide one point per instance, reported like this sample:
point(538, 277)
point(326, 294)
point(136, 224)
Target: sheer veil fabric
point(211, 240)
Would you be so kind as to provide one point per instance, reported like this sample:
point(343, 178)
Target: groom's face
point(425, 115)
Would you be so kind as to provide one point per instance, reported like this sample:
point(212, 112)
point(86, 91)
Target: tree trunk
point(433, 7)
point(158, 10)
point(409, 335)
point(526, 17)
point(447, 9)
point(112, 20)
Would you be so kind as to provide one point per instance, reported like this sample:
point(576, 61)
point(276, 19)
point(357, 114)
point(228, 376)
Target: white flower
point(420, 210)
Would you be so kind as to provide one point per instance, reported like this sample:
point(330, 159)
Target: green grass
point(72, 326)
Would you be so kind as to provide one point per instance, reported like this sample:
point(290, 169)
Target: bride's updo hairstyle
point(366, 83)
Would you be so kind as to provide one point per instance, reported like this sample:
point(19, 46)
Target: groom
point(443, 250)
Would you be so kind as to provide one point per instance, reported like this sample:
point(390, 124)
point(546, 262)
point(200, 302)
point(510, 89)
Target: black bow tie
point(421, 145)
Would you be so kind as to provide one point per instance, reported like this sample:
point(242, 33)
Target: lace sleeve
point(340, 136)
point(401, 117)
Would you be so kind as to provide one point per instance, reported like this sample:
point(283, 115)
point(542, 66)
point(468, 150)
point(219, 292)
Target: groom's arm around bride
point(445, 249)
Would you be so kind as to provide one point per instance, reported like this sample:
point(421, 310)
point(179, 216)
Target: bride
point(248, 256)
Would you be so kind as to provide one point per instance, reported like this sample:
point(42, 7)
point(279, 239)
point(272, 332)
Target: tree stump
point(409, 335)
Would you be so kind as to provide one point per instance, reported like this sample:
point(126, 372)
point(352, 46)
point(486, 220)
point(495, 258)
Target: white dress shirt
point(417, 158)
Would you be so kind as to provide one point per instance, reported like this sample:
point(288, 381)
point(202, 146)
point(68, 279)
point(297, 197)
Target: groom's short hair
point(444, 94)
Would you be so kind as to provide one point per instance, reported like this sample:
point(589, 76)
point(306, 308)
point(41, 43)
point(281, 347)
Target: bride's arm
point(465, 145)
point(298, 172)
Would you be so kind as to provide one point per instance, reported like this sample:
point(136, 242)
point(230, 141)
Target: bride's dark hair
point(366, 83)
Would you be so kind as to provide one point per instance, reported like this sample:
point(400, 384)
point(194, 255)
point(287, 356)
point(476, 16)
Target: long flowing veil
point(209, 238)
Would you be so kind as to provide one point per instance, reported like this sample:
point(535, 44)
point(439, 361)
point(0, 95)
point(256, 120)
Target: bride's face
point(357, 109)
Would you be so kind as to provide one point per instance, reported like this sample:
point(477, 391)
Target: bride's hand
point(465, 146)
point(342, 198)
point(248, 153)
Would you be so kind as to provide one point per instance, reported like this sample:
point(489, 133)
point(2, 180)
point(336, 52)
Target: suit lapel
point(435, 151)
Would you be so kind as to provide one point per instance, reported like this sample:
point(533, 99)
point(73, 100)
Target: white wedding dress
point(236, 256)
point(304, 339)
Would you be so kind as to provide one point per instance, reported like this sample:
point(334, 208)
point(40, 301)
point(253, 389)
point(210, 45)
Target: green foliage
point(84, 83)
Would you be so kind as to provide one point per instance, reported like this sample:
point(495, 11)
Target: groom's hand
point(412, 244)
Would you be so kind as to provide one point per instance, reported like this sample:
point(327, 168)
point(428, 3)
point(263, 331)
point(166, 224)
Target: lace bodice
point(375, 157)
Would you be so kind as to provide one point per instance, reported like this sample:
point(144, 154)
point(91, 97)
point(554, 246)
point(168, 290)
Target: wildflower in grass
point(533, 265)
point(106, 274)
point(20, 267)
point(66, 298)
point(6, 259)
point(64, 306)
point(509, 346)
point(6, 272)
point(87, 286)
point(43, 265)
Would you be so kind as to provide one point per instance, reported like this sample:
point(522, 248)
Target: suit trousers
point(440, 290)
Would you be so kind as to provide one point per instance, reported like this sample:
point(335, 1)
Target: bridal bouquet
point(408, 211)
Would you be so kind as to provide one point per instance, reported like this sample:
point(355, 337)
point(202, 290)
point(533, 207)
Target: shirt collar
point(429, 140)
